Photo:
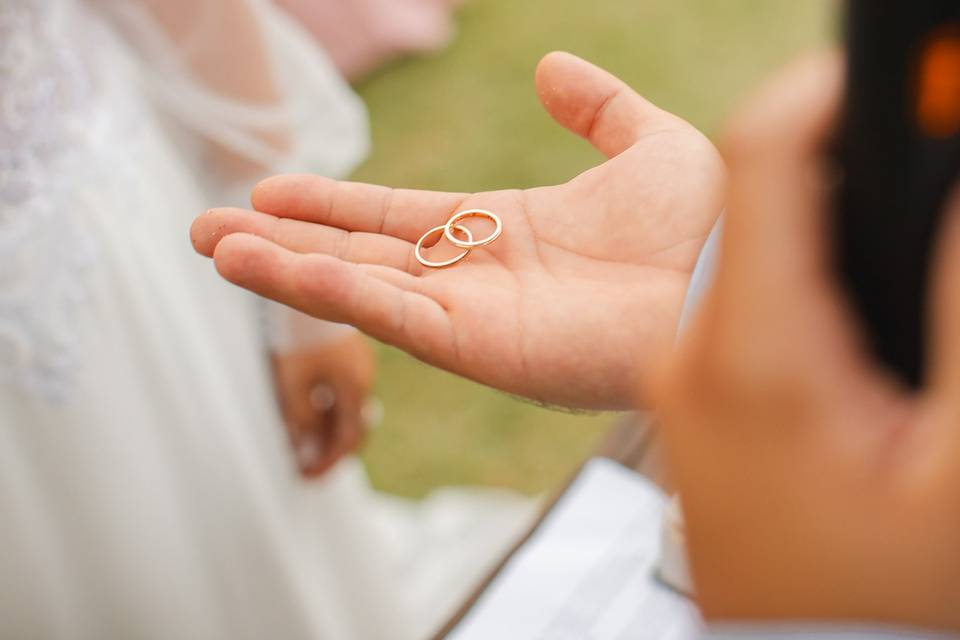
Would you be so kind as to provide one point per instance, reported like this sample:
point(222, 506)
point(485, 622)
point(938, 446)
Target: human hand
point(814, 487)
point(322, 390)
point(568, 307)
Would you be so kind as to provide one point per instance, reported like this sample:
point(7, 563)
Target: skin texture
point(586, 283)
point(815, 487)
point(319, 434)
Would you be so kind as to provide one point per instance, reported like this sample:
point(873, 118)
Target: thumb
point(596, 105)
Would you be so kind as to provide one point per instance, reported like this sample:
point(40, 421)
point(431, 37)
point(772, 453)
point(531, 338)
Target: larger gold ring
point(445, 263)
point(472, 213)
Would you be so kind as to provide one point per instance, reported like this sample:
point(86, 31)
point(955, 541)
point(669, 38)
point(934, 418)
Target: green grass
point(468, 120)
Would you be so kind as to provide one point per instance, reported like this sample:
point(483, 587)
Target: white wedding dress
point(146, 487)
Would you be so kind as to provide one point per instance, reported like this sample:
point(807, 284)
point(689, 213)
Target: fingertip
point(245, 259)
point(214, 224)
point(553, 62)
point(264, 192)
point(596, 105)
point(202, 230)
point(566, 85)
point(553, 80)
point(313, 283)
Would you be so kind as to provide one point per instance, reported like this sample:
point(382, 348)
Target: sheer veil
point(244, 77)
point(251, 94)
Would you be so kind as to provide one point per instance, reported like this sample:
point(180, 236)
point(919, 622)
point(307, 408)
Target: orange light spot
point(938, 107)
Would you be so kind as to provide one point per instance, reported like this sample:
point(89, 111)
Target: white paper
point(588, 572)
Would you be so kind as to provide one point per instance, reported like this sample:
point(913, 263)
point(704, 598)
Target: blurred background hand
point(814, 487)
point(322, 390)
point(568, 307)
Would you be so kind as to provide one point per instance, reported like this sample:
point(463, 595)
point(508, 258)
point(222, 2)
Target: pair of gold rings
point(450, 231)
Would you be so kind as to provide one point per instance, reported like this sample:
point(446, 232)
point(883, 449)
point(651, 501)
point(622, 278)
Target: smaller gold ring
point(471, 243)
point(445, 263)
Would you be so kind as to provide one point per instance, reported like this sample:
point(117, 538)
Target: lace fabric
point(45, 120)
point(81, 82)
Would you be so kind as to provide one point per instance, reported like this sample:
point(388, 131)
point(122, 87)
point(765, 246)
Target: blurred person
point(818, 489)
point(361, 35)
point(818, 492)
point(147, 485)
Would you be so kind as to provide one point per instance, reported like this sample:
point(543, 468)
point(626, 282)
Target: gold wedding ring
point(453, 223)
point(450, 230)
point(444, 263)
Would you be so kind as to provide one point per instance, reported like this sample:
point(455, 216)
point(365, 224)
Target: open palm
point(582, 289)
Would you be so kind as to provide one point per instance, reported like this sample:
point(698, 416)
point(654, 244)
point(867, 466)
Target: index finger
point(353, 206)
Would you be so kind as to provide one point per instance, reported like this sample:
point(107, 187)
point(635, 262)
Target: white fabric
point(822, 631)
point(703, 275)
point(146, 488)
point(330, 143)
